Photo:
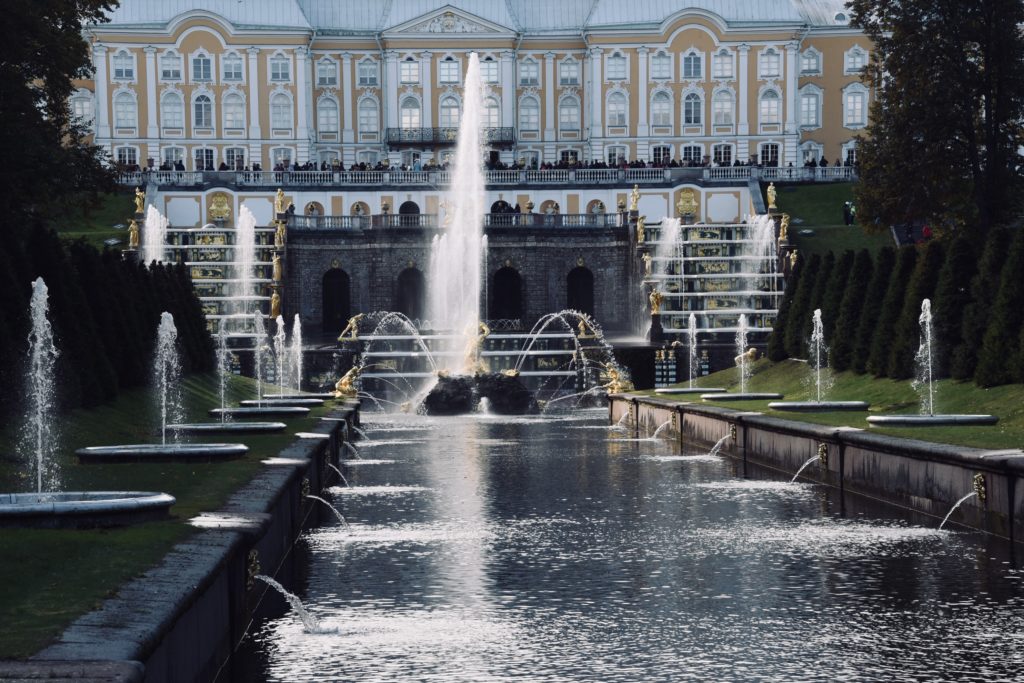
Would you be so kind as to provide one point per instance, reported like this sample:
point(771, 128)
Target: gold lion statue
point(346, 386)
point(750, 355)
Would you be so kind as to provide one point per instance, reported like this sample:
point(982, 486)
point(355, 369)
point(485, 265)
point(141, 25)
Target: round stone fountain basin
point(172, 452)
point(82, 510)
point(227, 427)
point(689, 390)
point(265, 411)
point(740, 397)
point(301, 401)
point(817, 406)
point(325, 396)
point(931, 420)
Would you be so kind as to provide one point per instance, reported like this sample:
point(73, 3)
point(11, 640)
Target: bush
point(843, 337)
point(907, 334)
point(952, 297)
point(871, 308)
point(833, 295)
point(1002, 336)
point(976, 316)
point(892, 306)
point(794, 339)
point(777, 341)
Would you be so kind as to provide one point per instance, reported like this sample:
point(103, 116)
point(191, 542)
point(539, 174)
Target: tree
point(777, 342)
point(976, 316)
point(844, 335)
point(1002, 336)
point(892, 306)
point(871, 308)
point(952, 297)
point(952, 164)
point(907, 335)
point(794, 338)
point(834, 290)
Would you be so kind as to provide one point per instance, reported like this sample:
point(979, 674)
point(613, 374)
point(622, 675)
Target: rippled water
point(490, 551)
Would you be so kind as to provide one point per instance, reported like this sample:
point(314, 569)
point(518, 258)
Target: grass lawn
point(97, 224)
point(820, 208)
point(50, 577)
point(792, 378)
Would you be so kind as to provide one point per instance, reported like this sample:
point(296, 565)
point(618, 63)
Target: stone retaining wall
point(924, 476)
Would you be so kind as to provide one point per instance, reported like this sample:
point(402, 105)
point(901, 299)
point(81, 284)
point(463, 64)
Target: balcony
point(433, 137)
point(428, 221)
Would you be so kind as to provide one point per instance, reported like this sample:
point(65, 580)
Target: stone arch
point(337, 300)
point(409, 208)
point(359, 209)
point(313, 209)
point(580, 290)
point(506, 294)
point(501, 206)
point(410, 293)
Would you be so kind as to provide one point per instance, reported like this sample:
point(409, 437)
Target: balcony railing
point(796, 174)
point(421, 137)
point(430, 221)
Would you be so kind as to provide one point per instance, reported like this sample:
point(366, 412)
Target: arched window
point(202, 68)
point(661, 109)
point(722, 108)
point(280, 111)
point(337, 305)
point(125, 111)
point(172, 111)
point(770, 107)
point(617, 109)
point(450, 113)
point(856, 59)
point(489, 70)
point(855, 103)
point(202, 112)
point(492, 113)
point(692, 110)
point(569, 113)
point(234, 111)
point(327, 115)
point(506, 295)
point(810, 62)
point(410, 113)
point(580, 290)
point(410, 294)
point(810, 107)
point(529, 114)
point(368, 120)
point(82, 108)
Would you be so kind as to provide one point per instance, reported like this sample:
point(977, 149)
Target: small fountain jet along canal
point(745, 358)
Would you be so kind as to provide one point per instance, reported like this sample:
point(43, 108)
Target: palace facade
point(713, 82)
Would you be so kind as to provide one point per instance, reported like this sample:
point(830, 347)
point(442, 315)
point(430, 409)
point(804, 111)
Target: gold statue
point(511, 372)
point(646, 258)
point(771, 196)
point(750, 355)
point(641, 224)
point(278, 270)
point(140, 201)
point(351, 331)
point(656, 298)
point(275, 304)
point(279, 235)
point(133, 234)
point(792, 259)
point(784, 228)
point(634, 198)
point(616, 382)
point(687, 204)
point(585, 332)
point(474, 363)
point(279, 205)
point(346, 386)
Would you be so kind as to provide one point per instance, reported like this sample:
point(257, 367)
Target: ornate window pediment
point(449, 20)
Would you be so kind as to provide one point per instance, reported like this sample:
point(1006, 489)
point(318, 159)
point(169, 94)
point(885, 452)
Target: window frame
point(661, 109)
point(613, 101)
point(229, 60)
point(772, 116)
point(720, 58)
point(362, 113)
point(366, 80)
point(125, 97)
point(196, 61)
point(206, 120)
point(693, 114)
point(176, 118)
point(565, 105)
point(489, 71)
point(123, 61)
point(280, 69)
point(661, 61)
point(322, 66)
point(621, 64)
point(277, 109)
point(232, 100)
point(444, 112)
point(718, 99)
point(168, 73)
point(688, 72)
point(409, 71)
point(769, 63)
point(573, 79)
point(526, 80)
point(529, 123)
point(449, 70)
point(320, 110)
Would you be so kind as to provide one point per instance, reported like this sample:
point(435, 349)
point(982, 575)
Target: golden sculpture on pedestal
point(641, 226)
point(133, 234)
point(473, 361)
point(771, 196)
point(687, 204)
point(784, 228)
point(646, 258)
point(750, 355)
point(616, 384)
point(279, 205)
point(792, 259)
point(279, 236)
point(584, 331)
point(351, 331)
point(278, 269)
point(634, 198)
point(219, 206)
point(275, 305)
point(346, 386)
point(656, 298)
point(140, 200)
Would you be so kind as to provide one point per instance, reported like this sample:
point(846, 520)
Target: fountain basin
point(174, 452)
point(931, 420)
point(227, 427)
point(325, 396)
point(815, 406)
point(280, 411)
point(689, 390)
point(299, 401)
point(740, 397)
point(82, 509)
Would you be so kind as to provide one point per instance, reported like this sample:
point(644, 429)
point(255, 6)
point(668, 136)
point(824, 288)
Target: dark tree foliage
point(833, 295)
point(872, 307)
point(806, 322)
point(907, 336)
point(844, 335)
point(892, 306)
point(777, 341)
point(794, 339)
point(976, 316)
point(952, 296)
point(1002, 336)
point(954, 165)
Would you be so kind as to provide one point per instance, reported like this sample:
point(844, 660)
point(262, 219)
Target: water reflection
point(484, 550)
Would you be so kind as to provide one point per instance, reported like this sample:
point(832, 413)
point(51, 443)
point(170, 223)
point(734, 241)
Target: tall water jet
point(39, 436)
point(760, 248)
point(295, 354)
point(819, 357)
point(666, 249)
point(154, 236)
point(280, 349)
point(244, 258)
point(259, 351)
point(167, 374)
point(742, 359)
point(924, 379)
point(223, 361)
point(691, 342)
point(454, 296)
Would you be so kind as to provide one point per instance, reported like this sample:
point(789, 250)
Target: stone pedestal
point(657, 332)
point(131, 256)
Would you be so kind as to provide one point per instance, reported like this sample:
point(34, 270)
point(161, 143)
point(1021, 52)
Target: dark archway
point(410, 296)
point(409, 209)
point(580, 290)
point(507, 295)
point(501, 206)
point(337, 300)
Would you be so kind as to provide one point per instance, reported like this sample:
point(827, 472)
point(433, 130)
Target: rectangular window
point(770, 108)
point(569, 116)
point(529, 73)
point(232, 68)
point(617, 110)
point(855, 109)
point(489, 71)
point(367, 117)
point(170, 68)
point(771, 63)
point(448, 71)
point(279, 70)
point(127, 156)
point(810, 63)
point(769, 154)
point(326, 74)
point(529, 115)
point(200, 68)
point(692, 153)
point(569, 73)
point(809, 110)
point(662, 154)
point(367, 73)
point(722, 155)
point(692, 67)
point(172, 155)
point(204, 159)
point(616, 68)
point(661, 67)
point(855, 60)
point(410, 71)
point(234, 157)
point(124, 67)
point(616, 155)
point(722, 109)
point(721, 66)
point(569, 156)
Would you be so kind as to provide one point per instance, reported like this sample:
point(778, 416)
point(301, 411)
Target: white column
point(302, 132)
point(151, 103)
point(347, 117)
point(102, 107)
point(390, 87)
point(549, 96)
point(427, 79)
point(254, 95)
point(508, 89)
point(596, 94)
point(791, 90)
point(742, 106)
point(642, 129)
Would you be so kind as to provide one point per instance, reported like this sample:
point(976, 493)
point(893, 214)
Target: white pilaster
point(390, 87)
point(742, 106)
point(549, 97)
point(102, 98)
point(428, 89)
point(791, 91)
point(254, 99)
point(508, 88)
point(596, 94)
point(301, 94)
point(347, 116)
point(642, 129)
point(151, 104)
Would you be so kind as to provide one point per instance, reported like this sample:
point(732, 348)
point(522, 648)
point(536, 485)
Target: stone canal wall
point(920, 475)
point(181, 620)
